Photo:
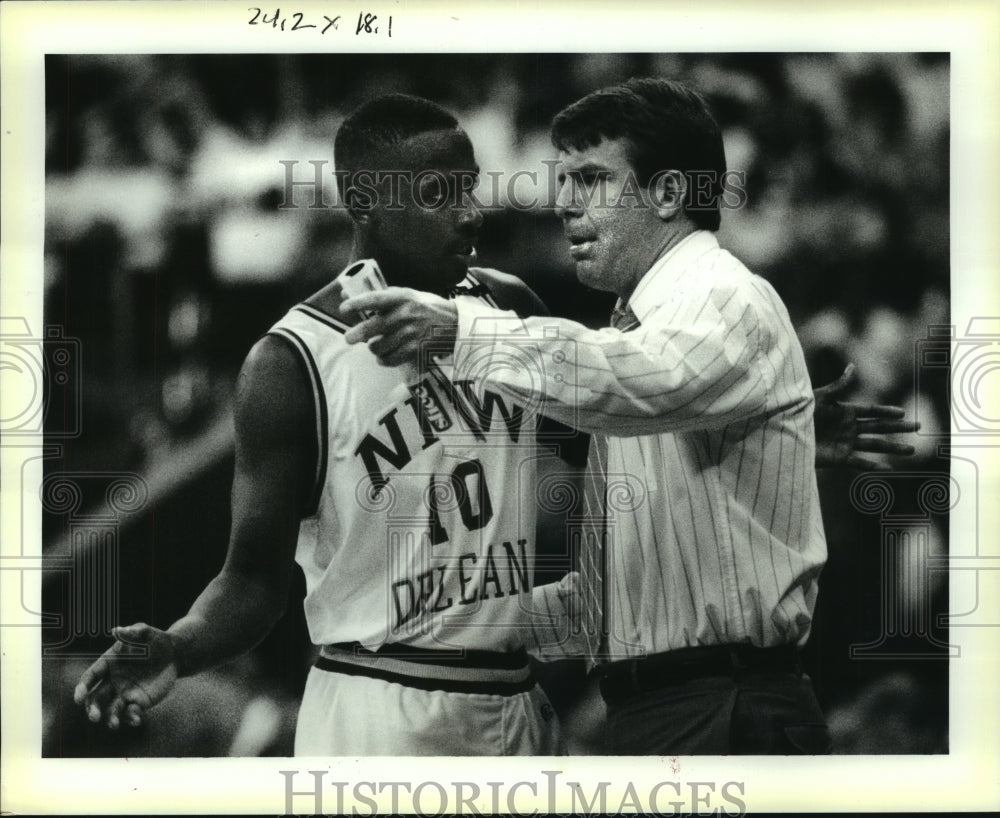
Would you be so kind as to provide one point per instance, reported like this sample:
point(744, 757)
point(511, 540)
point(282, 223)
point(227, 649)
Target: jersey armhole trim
point(487, 294)
point(319, 413)
point(322, 317)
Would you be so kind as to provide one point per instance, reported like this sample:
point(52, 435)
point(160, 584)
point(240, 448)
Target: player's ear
point(358, 194)
point(359, 205)
point(668, 192)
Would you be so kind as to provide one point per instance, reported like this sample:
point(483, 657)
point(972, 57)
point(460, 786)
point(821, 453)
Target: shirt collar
point(667, 271)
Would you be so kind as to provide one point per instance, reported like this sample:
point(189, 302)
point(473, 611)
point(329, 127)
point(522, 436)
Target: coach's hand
point(844, 429)
point(409, 323)
point(124, 683)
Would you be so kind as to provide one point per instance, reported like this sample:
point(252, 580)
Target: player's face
point(613, 232)
point(424, 231)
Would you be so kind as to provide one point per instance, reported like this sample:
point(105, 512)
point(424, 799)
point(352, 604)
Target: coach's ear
point(668, 192)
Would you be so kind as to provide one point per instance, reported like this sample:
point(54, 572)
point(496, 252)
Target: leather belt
point(624, 679)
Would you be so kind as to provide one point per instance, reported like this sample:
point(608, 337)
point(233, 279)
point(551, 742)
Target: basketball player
point(408, 503)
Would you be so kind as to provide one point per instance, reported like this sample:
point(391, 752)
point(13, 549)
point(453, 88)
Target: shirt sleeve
point(555, 625)
point(693, 363)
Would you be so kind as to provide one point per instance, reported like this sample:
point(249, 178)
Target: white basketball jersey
point(421, 523)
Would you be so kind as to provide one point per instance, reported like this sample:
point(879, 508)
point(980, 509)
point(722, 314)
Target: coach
point(699, 396)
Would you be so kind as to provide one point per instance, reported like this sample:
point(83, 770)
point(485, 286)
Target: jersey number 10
point(459, 487)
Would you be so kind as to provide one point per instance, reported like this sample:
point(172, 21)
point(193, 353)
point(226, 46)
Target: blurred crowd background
point(168, 253)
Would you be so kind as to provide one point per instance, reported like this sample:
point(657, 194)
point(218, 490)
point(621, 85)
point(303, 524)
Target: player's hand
point(844, 429)
point(406, 322)
point(123, 684)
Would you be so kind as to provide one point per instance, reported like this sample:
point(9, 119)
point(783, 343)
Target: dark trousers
point(753, 712)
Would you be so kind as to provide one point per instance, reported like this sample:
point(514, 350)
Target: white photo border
point(964, 779)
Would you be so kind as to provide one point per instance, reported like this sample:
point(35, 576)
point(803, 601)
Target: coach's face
point(424, 225)
point(614, 233)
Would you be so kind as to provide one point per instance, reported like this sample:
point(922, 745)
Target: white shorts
point(347, 711)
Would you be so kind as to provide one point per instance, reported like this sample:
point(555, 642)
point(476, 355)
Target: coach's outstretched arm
point(713, 364)
point(842, 429)
point(240, 606)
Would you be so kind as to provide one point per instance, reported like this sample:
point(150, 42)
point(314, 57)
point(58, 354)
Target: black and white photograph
point(370, 397)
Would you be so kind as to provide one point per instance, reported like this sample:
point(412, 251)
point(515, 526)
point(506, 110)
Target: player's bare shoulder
point(510, 292)
point(273, 395)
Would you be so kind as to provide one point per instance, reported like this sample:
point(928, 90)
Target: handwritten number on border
point(367, 22)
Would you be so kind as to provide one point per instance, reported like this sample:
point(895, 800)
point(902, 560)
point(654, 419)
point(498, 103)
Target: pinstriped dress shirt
point(715, 534)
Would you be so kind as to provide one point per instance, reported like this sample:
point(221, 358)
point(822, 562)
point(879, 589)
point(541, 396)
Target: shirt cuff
point(479, 328)
point(555, 628)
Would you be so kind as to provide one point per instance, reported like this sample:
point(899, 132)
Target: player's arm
point(274, 454)
point(511, 293)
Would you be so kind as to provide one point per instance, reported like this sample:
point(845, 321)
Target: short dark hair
point(381, 123)
point(668, 127)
